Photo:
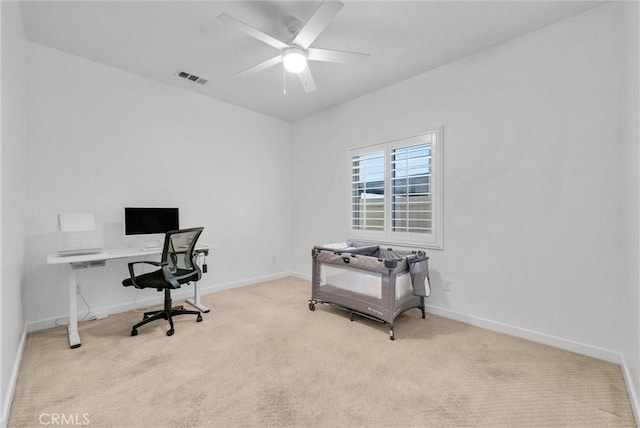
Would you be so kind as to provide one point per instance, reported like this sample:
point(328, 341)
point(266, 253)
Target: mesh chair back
point(179, 251)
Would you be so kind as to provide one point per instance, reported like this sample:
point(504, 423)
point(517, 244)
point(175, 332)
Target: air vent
point(192, 77)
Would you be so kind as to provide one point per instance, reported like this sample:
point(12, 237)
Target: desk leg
point(74, 336)
point(195, 301)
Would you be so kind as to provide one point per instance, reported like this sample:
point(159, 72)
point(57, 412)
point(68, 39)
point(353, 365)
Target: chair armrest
point(149, 262)
point(132, 273)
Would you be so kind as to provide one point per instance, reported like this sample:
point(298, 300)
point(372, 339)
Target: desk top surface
point(114, 253)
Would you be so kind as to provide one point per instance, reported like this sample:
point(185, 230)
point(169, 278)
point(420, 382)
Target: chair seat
point(156, 279)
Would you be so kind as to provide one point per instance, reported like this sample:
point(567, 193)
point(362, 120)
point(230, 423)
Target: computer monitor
point(149, 221)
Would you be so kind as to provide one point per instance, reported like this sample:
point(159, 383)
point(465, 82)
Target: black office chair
point(178, 266)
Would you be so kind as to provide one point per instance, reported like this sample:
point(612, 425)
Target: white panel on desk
point(77, 234)
point(79, 222)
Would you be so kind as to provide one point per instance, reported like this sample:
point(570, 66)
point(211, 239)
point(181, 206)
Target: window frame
point(435, 239)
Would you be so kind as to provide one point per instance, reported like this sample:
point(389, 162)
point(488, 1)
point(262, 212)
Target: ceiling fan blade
point(262, 66)
point(328, 55)
point(307, 80)
point(323, 15)
point(256, 34)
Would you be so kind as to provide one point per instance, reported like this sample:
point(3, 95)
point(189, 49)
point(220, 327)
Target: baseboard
point(11, 387)
point(300, 276)
point(235, 284)
point(180, 294)
point(534, 336)
point(631, 389)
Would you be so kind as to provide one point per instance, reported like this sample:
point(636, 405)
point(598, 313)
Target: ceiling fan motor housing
point(293, 27)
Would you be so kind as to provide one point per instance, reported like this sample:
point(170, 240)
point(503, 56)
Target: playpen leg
point(422, 305)
point(391, 333)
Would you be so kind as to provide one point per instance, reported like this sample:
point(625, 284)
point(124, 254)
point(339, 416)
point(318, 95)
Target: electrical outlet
point(447, 285)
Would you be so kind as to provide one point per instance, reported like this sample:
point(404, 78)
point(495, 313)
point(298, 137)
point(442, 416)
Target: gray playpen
point(369, 280)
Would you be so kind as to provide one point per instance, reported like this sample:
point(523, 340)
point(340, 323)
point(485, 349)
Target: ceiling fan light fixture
point(294, 59)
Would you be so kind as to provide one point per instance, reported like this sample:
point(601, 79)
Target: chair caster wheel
point(199, 319)
point(170, 332)
point(312, 306)
point(134, 332)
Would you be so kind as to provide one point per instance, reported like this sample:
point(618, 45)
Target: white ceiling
point(155, 39)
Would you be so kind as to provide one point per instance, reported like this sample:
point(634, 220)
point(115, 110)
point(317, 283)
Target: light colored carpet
point(261, 358)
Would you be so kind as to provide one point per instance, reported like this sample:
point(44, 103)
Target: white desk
point(100, 259)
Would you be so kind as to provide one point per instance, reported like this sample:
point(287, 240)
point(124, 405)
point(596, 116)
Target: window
point(396, 191)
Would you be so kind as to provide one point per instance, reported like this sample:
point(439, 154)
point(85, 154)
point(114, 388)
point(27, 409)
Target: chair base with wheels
point(167, 313)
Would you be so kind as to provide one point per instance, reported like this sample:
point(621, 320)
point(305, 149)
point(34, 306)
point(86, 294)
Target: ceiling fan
point(295, 55)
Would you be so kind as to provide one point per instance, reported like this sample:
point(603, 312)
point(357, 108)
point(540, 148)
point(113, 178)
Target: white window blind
point(411, 194)
point(368, 191)
point(396, 191)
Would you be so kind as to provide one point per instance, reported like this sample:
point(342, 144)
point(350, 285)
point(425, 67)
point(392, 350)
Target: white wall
point(101, 139)
point(537, 169)
point(631, 152)
point(533, 154)
point(12, 191)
